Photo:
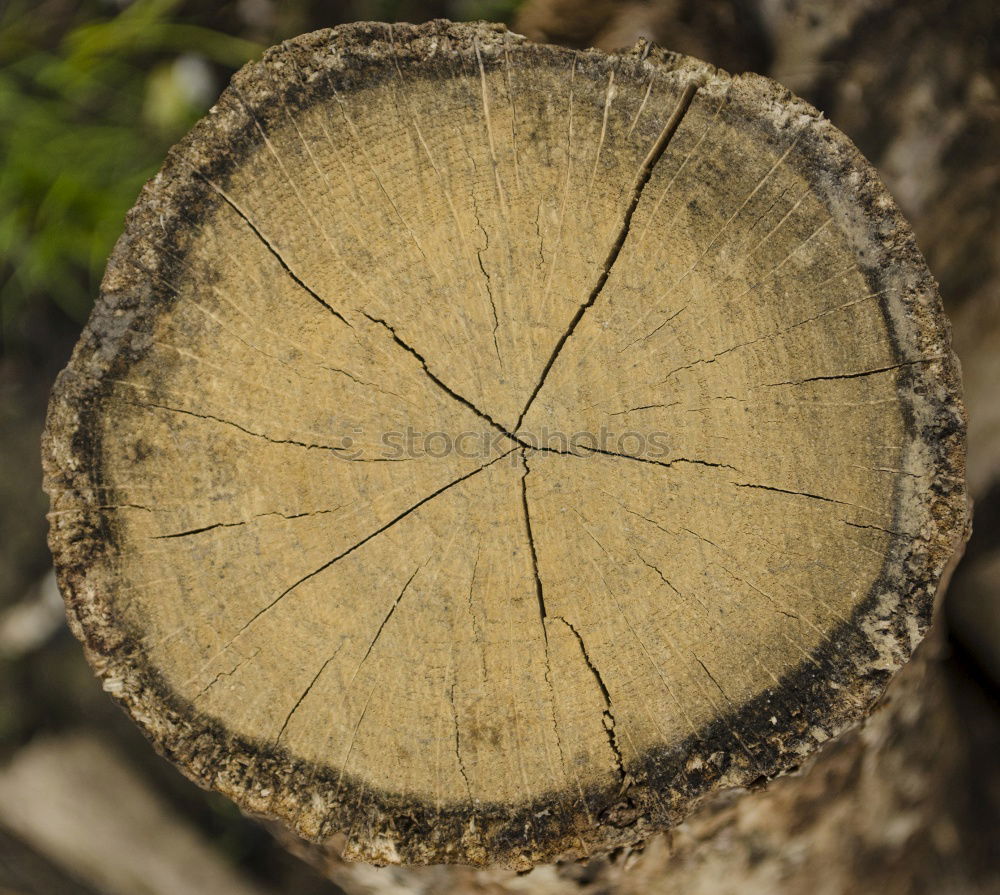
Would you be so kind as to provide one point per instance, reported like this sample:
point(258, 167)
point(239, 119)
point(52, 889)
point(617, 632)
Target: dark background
point(93, 93)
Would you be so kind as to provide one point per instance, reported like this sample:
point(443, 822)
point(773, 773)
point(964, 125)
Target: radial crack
point(608, 718)
point(858, 375)
point(656, 569)
point(369, 537)
point(539, 591)
point(304, 444)
point(198, 531)
point(645, 172)
point(476, 627)
point(306, 692)
point(796, 493)
point(887, 531)
point(711, 677)
point(665, 463)
point(458, 740)
point(487, 279)
point(271, 248)
point(385, 620)
point(644, 407)
point(435, 379)
point(223, 674)
point(214, 525)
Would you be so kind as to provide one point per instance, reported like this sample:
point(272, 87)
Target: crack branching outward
point(645, 172)
point(608, 717)
point(521, 443)
point(306, 692)
point(539, 591)
point(542, 612)
point(436, 379)
point(369, 537)
point(642, 178)
point(271, 248)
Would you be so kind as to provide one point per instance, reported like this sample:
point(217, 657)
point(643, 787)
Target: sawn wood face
point(484, 449)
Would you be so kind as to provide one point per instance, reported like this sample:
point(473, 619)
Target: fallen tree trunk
point(484, 452)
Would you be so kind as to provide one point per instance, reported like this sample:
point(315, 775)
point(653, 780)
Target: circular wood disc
point(483, 450)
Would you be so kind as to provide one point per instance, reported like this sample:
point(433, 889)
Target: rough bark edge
point(835, 692)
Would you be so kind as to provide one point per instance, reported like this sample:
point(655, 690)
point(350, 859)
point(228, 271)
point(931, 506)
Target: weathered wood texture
point(926, 118)
point(905, 804)
point(712, 472)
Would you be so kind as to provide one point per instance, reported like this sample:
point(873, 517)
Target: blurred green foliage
point(94, 92)
point(85, 119)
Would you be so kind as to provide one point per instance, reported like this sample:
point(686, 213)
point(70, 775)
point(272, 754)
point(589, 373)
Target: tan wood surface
point(687, 444)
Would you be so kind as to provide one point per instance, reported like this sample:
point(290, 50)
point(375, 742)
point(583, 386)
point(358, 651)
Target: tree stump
point(483, 450)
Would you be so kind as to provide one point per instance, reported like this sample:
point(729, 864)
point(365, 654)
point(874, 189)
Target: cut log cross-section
point(484, 450)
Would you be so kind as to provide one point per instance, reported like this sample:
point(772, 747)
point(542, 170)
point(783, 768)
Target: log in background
point(916, 86)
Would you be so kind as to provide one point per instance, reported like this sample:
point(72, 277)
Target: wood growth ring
point(484, 450)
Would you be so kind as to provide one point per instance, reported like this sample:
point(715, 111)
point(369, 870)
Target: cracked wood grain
point(608, 717)
point(630, 459)
point(539, 588)
point(645, 172)
point(368, 537)
point(277, 255)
